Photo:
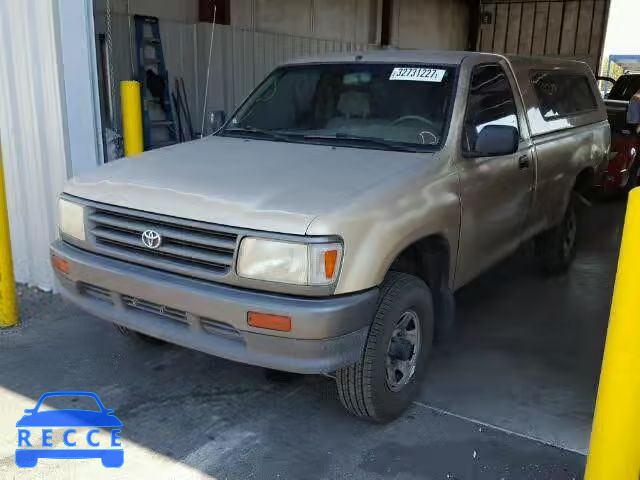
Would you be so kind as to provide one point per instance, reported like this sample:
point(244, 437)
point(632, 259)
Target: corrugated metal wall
point(241, 58)
point(571, 28)
point(179, 45)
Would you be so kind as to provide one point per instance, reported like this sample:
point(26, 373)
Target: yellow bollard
point(614, 452)
point(131, 118)
point(8, 307)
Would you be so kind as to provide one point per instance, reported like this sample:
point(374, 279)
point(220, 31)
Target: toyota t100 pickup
point(326, 225)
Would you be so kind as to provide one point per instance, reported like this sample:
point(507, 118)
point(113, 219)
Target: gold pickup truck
point(325, 226)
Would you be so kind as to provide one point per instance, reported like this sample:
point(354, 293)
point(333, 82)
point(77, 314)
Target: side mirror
point(494, 140)
point(217, 120)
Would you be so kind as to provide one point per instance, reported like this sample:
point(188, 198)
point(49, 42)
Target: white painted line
point(496, 427)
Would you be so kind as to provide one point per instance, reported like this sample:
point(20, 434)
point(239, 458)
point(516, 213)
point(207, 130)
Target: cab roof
point(439, 57)
point(393, 56)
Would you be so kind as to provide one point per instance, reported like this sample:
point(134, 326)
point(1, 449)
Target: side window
point(491, 102)
point(563, 94)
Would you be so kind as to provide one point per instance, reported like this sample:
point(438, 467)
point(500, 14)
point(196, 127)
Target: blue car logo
point(28, 457)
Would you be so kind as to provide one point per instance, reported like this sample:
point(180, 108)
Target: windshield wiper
point(259, 131)
point(380, 142)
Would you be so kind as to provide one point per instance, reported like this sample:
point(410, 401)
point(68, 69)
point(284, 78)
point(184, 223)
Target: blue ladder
point(159, 126)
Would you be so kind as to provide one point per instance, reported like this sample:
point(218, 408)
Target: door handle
point(523, 162)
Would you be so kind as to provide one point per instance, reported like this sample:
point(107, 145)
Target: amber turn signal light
point(269, 322)
point(330, 260)
point(60, 264)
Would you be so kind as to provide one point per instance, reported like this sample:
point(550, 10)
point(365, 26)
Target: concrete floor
point(516, 382)
point(528, 351)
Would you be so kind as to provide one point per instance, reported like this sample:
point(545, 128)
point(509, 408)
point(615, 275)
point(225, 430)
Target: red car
point(623, 167)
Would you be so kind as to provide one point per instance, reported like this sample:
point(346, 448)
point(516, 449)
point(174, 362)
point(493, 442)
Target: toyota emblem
point(151, 239)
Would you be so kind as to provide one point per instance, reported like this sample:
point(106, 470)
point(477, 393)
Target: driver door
point(496, 190)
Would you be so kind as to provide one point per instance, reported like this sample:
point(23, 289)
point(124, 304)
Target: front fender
point(378, 228)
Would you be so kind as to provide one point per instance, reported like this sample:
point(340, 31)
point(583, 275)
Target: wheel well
point(427, 259)
point(584, 181)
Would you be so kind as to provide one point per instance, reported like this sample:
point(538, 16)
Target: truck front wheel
point(386, 379)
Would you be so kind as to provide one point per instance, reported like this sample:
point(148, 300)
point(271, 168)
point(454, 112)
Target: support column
point(47, 119)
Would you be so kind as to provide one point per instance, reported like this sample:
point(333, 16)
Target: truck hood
point(255, 184)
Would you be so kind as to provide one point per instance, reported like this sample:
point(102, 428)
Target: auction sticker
point(418, 74)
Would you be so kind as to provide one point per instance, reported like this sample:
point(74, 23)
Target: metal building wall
point(242, 58)
point(179, 46)
point(564, 28)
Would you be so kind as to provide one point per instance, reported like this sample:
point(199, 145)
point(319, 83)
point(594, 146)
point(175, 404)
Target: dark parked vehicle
point(623, 167)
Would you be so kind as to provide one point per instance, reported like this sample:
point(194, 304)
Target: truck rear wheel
point(556, 247)
point(386, 379)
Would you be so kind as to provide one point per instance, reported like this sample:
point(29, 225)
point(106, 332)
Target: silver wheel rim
point(403, 351)
point(570, 234)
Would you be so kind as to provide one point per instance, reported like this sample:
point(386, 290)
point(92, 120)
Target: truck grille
point(188, 248)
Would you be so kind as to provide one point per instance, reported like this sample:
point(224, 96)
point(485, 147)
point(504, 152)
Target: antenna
point(206, 88)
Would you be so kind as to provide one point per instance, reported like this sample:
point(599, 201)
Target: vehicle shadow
point(528, 347)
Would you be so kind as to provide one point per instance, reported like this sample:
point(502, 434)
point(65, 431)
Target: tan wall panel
point(526, 28)
point(513, 32)
point(487, 31)
point(569, 27)
point(283, 16)
point(346, 20)
point(585, 26)
point(500, 34)
point(539, 28)
point(573, 28)
point(178, 10)
point(599, 26)
point(554, 24)
point(435, 24)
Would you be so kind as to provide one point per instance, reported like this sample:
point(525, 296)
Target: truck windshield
point(384, 106)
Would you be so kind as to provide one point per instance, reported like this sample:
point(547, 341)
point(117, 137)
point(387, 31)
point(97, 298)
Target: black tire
point(556, 248)
point(364, 388)
point(139, 336)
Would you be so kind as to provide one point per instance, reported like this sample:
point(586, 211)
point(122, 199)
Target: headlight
point(288, 262)
point(71, 219)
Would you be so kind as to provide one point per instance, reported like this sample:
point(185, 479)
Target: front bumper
point(327, 333)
